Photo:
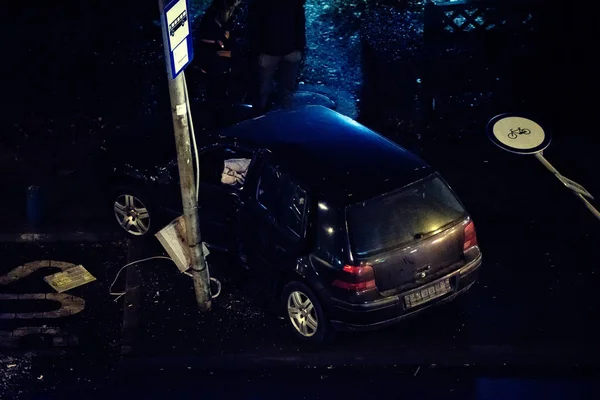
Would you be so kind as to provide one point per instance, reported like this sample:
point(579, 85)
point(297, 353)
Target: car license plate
point(428, 293)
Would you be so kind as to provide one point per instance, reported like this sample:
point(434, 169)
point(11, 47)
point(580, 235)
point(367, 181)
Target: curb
point(433, 356)
point(29, 237)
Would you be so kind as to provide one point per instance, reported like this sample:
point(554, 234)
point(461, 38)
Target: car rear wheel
point(304, 314)
point(133, 212)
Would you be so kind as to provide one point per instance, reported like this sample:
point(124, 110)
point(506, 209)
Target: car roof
point(330, 152)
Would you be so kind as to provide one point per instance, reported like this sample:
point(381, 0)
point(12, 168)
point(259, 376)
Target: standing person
point(215, 49)
point(278, 39)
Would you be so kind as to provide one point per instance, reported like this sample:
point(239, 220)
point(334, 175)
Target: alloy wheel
point(132, 215)
point(302, 313)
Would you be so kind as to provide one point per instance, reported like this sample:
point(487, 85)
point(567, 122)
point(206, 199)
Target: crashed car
point(349, 230)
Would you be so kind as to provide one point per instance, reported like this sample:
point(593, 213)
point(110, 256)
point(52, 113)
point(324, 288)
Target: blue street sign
point(177, 31)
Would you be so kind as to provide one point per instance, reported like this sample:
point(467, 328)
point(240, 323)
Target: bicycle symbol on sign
point(515, 132)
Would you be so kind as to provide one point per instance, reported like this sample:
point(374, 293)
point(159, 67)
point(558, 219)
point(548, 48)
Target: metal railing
point(460, 18)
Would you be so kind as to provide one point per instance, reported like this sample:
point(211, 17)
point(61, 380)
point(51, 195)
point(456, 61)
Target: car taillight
point(356, 279)
point(470, 236)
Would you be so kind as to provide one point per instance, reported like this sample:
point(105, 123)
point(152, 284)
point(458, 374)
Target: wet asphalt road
point(536, 295)
point(537, 283)
point(537, 290)
point(96, 328)
point(395, 383)
point(315, 383)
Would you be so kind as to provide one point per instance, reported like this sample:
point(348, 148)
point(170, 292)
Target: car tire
point(302, 309)
point(130, 202)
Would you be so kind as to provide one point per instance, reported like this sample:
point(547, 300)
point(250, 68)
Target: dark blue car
point(348, 230)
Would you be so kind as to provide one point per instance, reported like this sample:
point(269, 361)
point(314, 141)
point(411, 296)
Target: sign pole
point(520, 135)
point(577, 189)
point(176, 61)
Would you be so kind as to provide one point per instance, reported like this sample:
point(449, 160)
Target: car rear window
point(402, 216)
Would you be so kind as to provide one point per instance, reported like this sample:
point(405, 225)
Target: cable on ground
point(121, 294)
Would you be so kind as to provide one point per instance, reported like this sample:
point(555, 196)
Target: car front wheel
point(132, 212)
point(304, 314)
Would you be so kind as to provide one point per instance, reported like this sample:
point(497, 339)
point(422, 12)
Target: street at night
point(87, 97)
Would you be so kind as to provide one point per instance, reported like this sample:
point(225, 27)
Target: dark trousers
point(217, 97)
point(268, 65)
point(217, 88)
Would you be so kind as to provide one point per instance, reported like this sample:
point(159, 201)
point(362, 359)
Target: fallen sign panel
point(172, 238)
point(69, 279)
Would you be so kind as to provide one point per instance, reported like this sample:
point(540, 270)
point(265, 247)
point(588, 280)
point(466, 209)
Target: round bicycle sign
point(517, 134)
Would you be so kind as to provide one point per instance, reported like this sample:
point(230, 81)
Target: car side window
point(267, 192)
point(283, 198)
point(294, 208)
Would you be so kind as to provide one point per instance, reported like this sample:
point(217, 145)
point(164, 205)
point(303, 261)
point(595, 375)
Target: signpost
point(520, 135)
point(177, 41)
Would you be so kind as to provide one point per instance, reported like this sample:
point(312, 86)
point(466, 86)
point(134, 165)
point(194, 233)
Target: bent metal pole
point(551, 168)
point(186, 178)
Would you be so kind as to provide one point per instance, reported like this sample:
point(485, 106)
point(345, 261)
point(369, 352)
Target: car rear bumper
point(391, 310)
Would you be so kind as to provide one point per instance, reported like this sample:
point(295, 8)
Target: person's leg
point(289, 71)
point(216, 88)
point(222, 81)
point(217, 97)
point(267, 66)
point(223, 101)
point(210, 88)
point(211, 91)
